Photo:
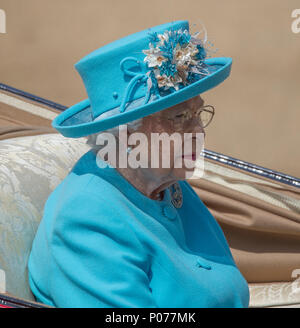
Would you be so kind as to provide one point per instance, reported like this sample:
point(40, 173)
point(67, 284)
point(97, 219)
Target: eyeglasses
point(203, 115)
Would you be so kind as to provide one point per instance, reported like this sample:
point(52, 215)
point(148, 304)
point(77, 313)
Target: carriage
point(257, 208)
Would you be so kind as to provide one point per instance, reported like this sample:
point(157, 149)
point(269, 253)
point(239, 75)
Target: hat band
point(137, 78)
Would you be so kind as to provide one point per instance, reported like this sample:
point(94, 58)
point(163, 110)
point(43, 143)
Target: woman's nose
point(197, 128)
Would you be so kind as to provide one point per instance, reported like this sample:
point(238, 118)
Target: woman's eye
point(184, 114)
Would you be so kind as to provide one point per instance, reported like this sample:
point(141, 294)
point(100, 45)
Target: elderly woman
point(121, 231)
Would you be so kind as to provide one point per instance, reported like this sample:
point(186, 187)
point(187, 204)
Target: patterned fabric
point(30, 169)
point(280, 294)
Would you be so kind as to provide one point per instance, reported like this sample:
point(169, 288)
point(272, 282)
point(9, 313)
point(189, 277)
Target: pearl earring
point(129, 149)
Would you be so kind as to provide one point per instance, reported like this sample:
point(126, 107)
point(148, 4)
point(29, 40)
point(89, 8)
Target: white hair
point(94, 140)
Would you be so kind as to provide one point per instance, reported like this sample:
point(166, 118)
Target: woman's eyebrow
point(179, 110)
point(195, 106)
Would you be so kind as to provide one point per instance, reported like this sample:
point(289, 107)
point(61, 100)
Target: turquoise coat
point(102, 243)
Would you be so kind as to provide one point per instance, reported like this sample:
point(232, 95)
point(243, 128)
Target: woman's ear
point(125, 131)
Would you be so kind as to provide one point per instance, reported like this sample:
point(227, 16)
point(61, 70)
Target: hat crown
point(106, 72)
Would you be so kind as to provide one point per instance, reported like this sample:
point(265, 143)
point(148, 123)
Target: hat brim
point(77, 121)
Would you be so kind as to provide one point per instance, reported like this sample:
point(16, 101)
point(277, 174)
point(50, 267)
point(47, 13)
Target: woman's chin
point(183, 173)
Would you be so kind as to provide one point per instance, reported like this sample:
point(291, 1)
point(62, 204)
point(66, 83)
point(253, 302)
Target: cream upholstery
point(30, 168)
point(277, 294)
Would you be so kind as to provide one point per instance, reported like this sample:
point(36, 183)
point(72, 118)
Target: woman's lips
point(191, 157)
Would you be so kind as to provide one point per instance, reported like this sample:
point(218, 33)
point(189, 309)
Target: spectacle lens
point(205, 114)
point(183, 120)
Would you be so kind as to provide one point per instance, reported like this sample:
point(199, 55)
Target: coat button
point(170, 212)
point(203, 264)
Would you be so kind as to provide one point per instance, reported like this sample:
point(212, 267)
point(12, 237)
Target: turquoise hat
point(139, 75)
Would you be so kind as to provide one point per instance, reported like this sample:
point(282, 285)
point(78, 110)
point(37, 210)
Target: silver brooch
point(176, 195)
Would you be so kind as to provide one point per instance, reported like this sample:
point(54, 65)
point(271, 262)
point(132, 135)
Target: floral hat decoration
point(176, 59)
point(141, 74)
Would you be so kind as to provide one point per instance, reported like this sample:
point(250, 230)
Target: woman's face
point(182, 139)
